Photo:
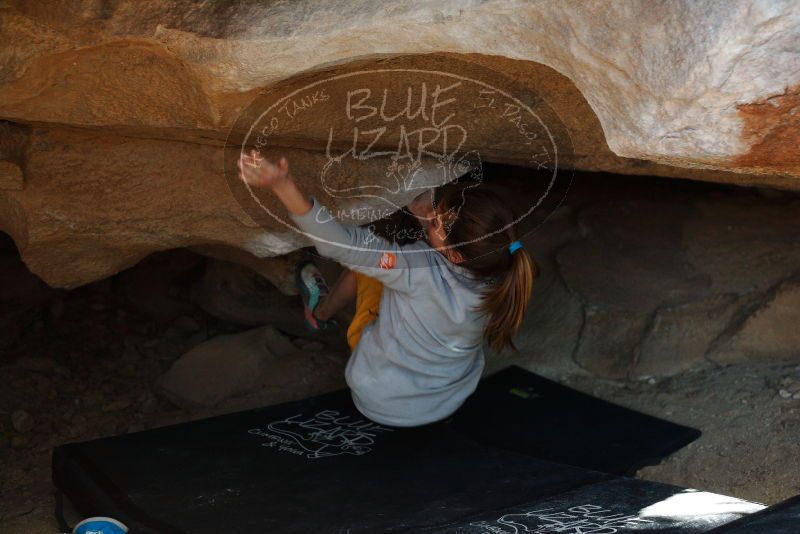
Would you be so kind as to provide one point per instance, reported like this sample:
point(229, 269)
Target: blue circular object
point(100, 525)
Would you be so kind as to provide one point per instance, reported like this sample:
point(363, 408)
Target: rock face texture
point(114, 116)
point(661, 280)
point(226, 365)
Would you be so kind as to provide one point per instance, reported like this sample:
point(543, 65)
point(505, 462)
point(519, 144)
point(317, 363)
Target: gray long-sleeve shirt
point(424, 354)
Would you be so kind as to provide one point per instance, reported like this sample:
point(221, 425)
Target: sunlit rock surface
point(116, 113)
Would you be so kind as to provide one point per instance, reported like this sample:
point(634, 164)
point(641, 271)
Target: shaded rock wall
point(116, 113)
point(639, 280)
point(719, 286)
point(661, 279)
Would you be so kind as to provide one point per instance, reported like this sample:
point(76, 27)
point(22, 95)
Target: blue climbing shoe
point(312, 288)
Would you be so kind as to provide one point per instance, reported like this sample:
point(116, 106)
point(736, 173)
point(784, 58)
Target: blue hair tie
point(513, 247)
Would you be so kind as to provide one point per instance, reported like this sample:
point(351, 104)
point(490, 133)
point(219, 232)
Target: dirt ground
point(751, 435)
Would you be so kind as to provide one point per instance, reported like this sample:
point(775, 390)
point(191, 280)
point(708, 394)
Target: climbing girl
point(423, 310)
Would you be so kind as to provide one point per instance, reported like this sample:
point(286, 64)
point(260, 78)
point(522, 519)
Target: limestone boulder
point(240, 295)
point(226, 366)
point(115, 117)
point(663, 281)
point(768, 332)
point(679, 337)
point(719, 92)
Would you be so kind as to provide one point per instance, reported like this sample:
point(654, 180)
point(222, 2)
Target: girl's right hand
point(422, 205)
point(257, 171)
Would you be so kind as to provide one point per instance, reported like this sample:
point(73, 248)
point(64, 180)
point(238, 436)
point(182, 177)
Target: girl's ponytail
point(507, 301)
point(475, 215)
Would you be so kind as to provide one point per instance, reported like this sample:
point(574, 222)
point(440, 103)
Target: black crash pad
point(317, 465)
point(621, 505)
point(524, 412)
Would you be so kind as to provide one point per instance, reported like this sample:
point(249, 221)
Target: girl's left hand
point(257, 171)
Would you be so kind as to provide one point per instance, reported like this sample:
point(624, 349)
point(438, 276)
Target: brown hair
point(474, 217)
